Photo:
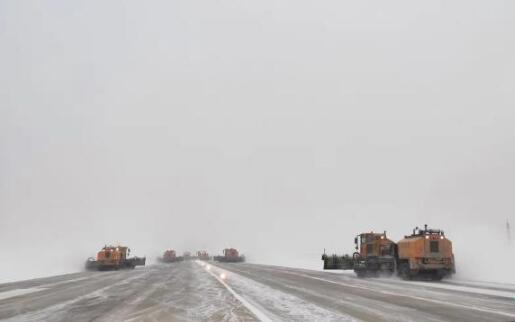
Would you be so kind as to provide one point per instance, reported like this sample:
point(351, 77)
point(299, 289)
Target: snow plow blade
point(91, 264)
point(337, 262)
point(137, 261)
point(224, 259)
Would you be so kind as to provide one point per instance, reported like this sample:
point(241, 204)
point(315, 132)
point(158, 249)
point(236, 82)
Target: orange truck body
point(425, 252)
point(169, 256)
point(231, 253)
point(112, 256)
point(376, 255)
point(375, 245)
point(203, 255)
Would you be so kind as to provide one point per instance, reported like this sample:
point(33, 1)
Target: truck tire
point(404, 271)
point(361, 274)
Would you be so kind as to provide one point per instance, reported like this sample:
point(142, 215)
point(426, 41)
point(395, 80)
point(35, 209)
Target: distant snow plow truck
point(170, 256)
point(187, 255)
point(114, 258)
point(230, 255)
point(426, 254)
point(203, 255)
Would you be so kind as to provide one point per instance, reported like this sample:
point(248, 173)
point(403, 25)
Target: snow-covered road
point(194, 291)
point(376, 299)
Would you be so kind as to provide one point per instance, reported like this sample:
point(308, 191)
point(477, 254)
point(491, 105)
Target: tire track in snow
point(53, 312)
point(277, 304)
point(462, 306)
point(258, 313)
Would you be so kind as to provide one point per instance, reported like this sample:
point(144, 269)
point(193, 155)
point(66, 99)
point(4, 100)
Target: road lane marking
point(258, 313)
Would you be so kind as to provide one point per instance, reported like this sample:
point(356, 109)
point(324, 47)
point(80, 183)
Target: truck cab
point(375, 254)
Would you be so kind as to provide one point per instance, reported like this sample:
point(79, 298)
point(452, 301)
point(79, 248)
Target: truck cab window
point(433, 245)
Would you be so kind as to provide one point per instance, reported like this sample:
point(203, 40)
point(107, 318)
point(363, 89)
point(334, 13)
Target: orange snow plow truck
point(203, 255)
point(170, 256)
point(374, 255)
point(114, 258)
point(230, 255)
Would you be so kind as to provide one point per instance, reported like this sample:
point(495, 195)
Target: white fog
point(277, 127)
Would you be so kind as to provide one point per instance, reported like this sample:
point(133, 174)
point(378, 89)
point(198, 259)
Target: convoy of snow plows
point(117, 257)
point(425, 254)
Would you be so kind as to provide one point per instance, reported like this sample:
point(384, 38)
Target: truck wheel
point(361, 274)
point(438, 275)
point(404, 271)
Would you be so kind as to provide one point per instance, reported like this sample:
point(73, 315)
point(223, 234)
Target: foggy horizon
point(277, 128)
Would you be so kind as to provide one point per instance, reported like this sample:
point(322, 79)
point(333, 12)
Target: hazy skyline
point(278, 128)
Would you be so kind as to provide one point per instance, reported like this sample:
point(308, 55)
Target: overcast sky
point(277, 127)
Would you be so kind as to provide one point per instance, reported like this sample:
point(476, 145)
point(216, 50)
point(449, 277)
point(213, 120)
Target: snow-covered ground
point(189, 291)
point(274, 304)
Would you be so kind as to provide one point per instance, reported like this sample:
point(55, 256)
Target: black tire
point(361, 274)
point(404, 271)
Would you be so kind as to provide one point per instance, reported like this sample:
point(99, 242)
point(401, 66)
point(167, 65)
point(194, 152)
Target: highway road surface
point(197, 291)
